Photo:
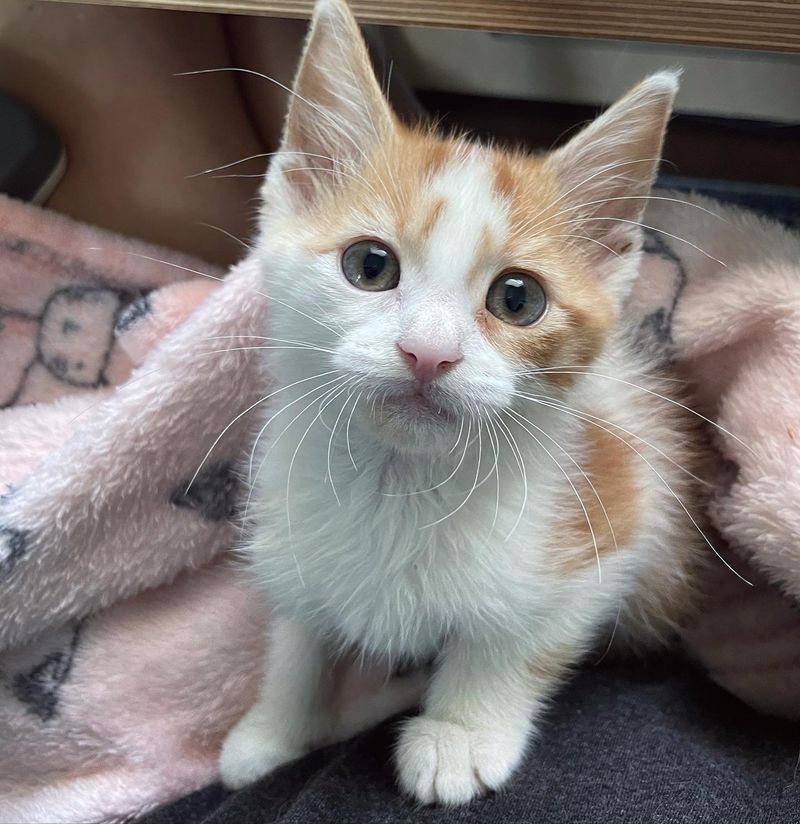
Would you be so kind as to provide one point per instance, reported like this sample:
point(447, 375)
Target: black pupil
point(374, 263)
point(516, 295)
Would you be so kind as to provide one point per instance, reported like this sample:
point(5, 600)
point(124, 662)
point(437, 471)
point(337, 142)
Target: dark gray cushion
point(633, 742)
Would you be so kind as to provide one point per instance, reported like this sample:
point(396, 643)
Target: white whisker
point(694, 246)
point(472, 489)
point(458, 439)
point(495, 441)
point(222, 280)
point(322, 394)
point(280, 85)
point(661, 478)
point(281, 411)
point(590, 239)
point(241, 414)
point(649, 392)
point(227, 234)
point(441, 483)
point(330, 396)
point(522, 421)
point(335, 171)
point(601, 201)
point(611, 639)
point(259, 337)
point(256, 157)
point(347, 431)
point(330, 442)
point(532, 226)
point(628, 432)
point(255, 348)
point(515, 451)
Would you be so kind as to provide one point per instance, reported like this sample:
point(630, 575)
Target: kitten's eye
point(371, 266)
point(516, 298)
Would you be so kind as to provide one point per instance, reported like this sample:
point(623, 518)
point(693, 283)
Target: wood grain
point(771, 25)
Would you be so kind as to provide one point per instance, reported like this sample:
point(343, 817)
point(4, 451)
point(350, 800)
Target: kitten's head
point(437, 274)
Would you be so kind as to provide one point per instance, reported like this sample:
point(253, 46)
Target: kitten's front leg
point(477, 720)
point(287, 714)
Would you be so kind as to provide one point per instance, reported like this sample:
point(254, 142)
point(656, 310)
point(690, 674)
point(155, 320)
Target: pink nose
point(428, 361)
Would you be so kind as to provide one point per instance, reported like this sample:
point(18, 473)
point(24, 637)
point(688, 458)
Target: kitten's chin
point(413, 424)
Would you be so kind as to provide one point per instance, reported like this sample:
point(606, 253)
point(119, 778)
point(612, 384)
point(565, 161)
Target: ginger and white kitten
point(438, 477)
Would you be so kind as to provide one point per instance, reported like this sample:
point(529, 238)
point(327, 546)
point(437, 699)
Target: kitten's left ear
point(337, 112)
point(606, 171)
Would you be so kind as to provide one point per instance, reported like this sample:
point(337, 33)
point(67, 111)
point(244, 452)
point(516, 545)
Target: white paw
point(443, 763)
point(251, 751)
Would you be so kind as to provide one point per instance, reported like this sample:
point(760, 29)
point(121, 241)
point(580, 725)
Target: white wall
point(721, 82)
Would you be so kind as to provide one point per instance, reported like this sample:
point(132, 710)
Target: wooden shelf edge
point(767, 25)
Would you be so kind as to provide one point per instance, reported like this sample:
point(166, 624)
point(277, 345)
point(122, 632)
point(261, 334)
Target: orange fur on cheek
point(580, 313)
point(530, 349)
point(568, 335)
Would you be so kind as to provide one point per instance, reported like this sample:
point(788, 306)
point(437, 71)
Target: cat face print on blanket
point(68, 343)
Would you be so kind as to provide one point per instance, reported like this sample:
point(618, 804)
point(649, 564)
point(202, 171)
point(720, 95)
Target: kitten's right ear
point(337, 111)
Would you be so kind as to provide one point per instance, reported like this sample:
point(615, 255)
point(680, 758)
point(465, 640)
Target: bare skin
point(104, 79)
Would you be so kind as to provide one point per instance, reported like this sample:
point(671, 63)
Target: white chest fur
point(392, 552)
point(374, 568)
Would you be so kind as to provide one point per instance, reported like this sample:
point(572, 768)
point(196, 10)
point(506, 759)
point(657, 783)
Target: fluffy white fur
point(409, 534)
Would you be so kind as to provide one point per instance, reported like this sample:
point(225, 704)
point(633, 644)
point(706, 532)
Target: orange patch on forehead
point(528, 189)
point(435, 153)
point(504, 181)
point(485, 251)
point(429, 220)
point(404, 171)
point(382, 193)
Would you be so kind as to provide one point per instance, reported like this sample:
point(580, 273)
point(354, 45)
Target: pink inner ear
point(324, 122)
point(606, 171)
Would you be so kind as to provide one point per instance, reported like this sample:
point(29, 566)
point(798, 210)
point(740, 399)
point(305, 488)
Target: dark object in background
point(32, 157)
point(711, 148)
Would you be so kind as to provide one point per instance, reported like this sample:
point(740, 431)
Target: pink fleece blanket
point(128, 639)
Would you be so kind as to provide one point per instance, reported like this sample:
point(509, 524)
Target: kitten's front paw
point(250, 752)
point(444, 763)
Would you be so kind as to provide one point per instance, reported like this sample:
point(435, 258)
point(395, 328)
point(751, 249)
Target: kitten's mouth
point(417, 406)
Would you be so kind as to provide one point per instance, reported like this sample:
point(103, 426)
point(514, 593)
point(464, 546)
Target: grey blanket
point(625, 744)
